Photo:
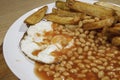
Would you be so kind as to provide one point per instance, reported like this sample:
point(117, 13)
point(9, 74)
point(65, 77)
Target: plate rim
point(25, 15)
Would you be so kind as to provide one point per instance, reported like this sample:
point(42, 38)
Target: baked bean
point(83, 45)
point(78, 43)
point(81, 57)
point(91, 40)
point(114, 79)
point(72, 58)
point(110, 55)
point(100, 54)
point(73, 70)
point(87, 66)
point(81, 65)
point(52, 66)
point(74, 49)
point(58, 78)
point(70, 62)
point(107, 48)
point(82, 40)
point(64, 56)
point(91, 36)
point(40, 68)
point(62, 77)
point(57, 74)
point(82, 35)
point(103, 59)
point(93, 32)
point(98, 62)
point(87, 43)
point(94, 52)
point(62, 69)
point(77, 68)
point(101, 51)
point(66, 73)
point(91, 57)
point(84, 71)
point(80, 24)
point(86, 48)
point(109, 67)
point(71, 34)
point(118, 69)
point(99, 35)
point(86, 32)
point(93, 64)
point(118, 57)
point(63, 63)
point(111, 74)
point(107, 44)
point(68, 66)
point(50, 73)
point(100, 67)
point(61, 27)
point(57, 32)
point(69, 78)
point(46, 69)
point(115, 52)
point(69, 53)
point(81, 30)
point(102, 47)
point(89, 53)
point(96, 19)
point(77, 33)
point(86, 61)
point(114, 61)
point(80, 50)
point(97, 41)
point(105, 63)
point(105, 78)
point(81, 75)
point(100, 74)
point(77, 61)
point(95, 70)
point(96, 48)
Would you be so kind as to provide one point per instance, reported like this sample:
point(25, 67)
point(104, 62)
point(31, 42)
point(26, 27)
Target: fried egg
point(33, 43)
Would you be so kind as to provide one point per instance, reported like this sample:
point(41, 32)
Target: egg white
point(29, 43)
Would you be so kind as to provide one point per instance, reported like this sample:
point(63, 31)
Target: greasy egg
point(34, 46)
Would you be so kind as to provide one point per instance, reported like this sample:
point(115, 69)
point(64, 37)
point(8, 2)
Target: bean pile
point(91, 58)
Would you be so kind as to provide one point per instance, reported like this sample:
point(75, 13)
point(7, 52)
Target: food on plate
point(61, 5)
point(62, 19)
point(115, 29)
point(36, 45)
point(99, 24)
point(78, 43)
point(116, 41)
point(90, 57)
point(37, 16)
point(90, 9)
point(111, 6)
point(61, 12)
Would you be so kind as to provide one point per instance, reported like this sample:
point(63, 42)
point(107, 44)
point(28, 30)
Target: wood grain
point(5, 73)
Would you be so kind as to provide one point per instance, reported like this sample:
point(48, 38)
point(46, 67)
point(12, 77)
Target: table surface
point(10, 10)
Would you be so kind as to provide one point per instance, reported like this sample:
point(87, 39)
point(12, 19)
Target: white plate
point(16, 61)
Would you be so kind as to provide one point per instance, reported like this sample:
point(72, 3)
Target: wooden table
point(10, 10)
